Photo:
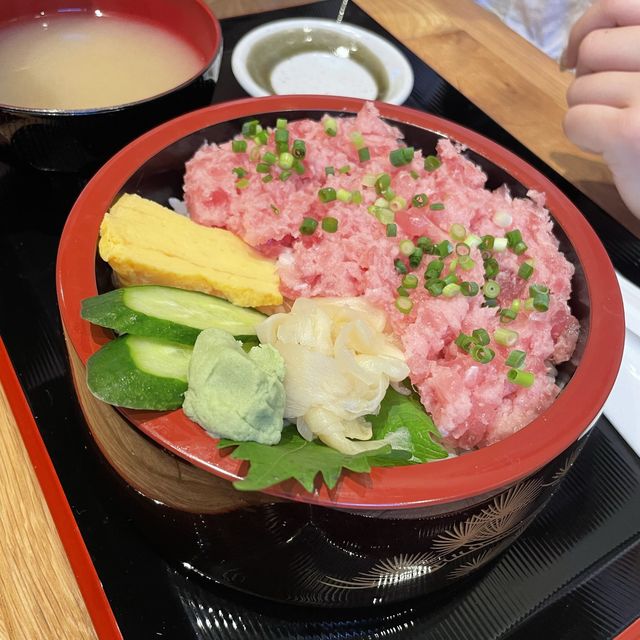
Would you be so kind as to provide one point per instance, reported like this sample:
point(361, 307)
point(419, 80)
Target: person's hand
point(604, 98)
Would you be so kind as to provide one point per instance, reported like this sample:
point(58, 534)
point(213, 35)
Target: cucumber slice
point(140, 373)
point(168, 313)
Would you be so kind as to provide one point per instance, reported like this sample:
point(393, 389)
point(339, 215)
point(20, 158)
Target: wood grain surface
point(39, 596)
point(520, 87)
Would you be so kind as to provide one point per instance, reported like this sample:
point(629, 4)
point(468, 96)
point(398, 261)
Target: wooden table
point(509, 79)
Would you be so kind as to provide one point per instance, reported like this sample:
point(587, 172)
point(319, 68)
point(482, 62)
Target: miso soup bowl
point(79, 141)
point(395, 533)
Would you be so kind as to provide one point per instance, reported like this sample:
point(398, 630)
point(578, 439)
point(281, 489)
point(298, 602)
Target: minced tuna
point(473, 403)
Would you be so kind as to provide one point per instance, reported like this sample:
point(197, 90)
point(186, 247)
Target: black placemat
point(575, 573)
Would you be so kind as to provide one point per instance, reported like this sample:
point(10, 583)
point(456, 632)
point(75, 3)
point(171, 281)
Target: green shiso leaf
point(405, 415)
point(294, 457)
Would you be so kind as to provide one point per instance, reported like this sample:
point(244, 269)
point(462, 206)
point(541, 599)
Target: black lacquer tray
point(575, 573)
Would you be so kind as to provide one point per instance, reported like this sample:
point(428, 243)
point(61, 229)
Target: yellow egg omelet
point(146, 243)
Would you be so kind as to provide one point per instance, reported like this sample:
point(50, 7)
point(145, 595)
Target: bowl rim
point(204, 67)
point(467, 476)
point(404, 71)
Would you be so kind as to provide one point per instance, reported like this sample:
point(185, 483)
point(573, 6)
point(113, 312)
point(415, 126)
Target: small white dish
point(320, 56)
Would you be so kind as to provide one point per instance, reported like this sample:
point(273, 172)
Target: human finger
point(610, 88)
point(605, 14)
point(592, 127)
point(609, 50)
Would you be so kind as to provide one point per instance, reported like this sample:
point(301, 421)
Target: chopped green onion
point(269, 158)
point(491, 289)
point(481, 337)
point(489, 303)
point(357, 139)
point(540, 295)
point(431, 163)
point(469, 288)
point(274, 208)
point(329, 171)
point(397, 203)
point(401, 156)
point(425, 244)
point(262, 138)
point(388, 194)
point(400, 266)
point(491, 268)
point(450, 290)
point(435, 287)
point(369, 180)
point(250, 128)
point(508, 315)
point(330, 126)
point(380, 202)
point(382, 183)
point(285, 175)
point(519, 248)
point(462, 249)
point(356, 197)
point(392, 230)
point(404, 305)
point(364, 154)
point(402, 292)
point(329, 224)
point(281, 123)
point(268, 178)
point(502, 218)
point(414, 174)
point(452, 278)
point(281, 135)
point(436, 206)
point(254, 154)
point(515, 359)
point(285, 161)
point(384, 215)
point(521, 378)
point(240, 172)
point(263, 167)
point(537, 289)
point(327, 194)
point(513, 237)
point(308, 226)
point(434, 269)
point(464, 342)
point(406, 247)
point(499, 245)
point(415, 258)
point(420, 200)
point(525, 271)
point(515, 305)
point(344, 169)
point(282, 147)
point(343, 195)
point(238, 146)
point(243, 183)
point(410, 281)
point(466, 263)
point(298, 167)
point(299, 149)
point(505, 337)
point(473, 241)
point(444, 248)
point(486, 244)
point(483, 355)
point(457, 232)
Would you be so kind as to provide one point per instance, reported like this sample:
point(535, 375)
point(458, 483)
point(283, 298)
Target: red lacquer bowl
point(397, 532)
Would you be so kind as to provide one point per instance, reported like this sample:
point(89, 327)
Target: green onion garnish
point(486, 243)
point(435, 287)
point(298, 167)
point(513, 237)
point(508, 315)
point(483, 355)
point(269, 158)
point(515, 359)
point(404, 305)
point(521, 378)
point(505, 337)
point(299, 149)
point(275, 209)
point(436, 206)
point(250, 128)
point(462, 249)
point(490, 303)
point(285, 161)
point(329, 224)
point(268, 178)
point(281, 135)
point(434, 269)
point(464, 342)
point(356, 197)
point(281, 123)
point(540, 295)
point(444, 248)
point(344, 168)
point(401, 156)
point(415, 258)
point(263, 167)
point(450, 290)
point(420, 200)
point(364, 154)
point(238, 146)
point(329, 171)
point(457, 232)
point(239, 171)
point(431, 163)
point(327, 194)
point(400, 266)
point(491, 268)
point(469, 288)
point(410, 281)
point(452, 278)
point(491, 289)
point(397, 203)
point(243, 183)
point(343, 195)
point(382, 183)
point(388, 195)
point(392, 230)
point(330, 126)
point(406, 247)
point(308, 226)
point(499, 245)
point(285, 175)
point(414, 174)
point(473, 240)
point(357, 139)
point(425, 244)
point(519, 248)
point(402, 292)
point(384, 215)
point(481, 337)
point(282, 147)
point(515, 305)
point(525, 271)
point(466, 263)
point(261, 138)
